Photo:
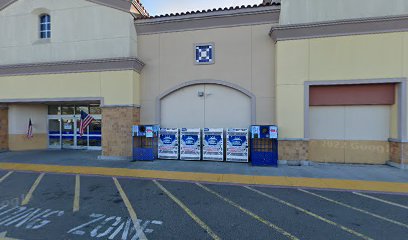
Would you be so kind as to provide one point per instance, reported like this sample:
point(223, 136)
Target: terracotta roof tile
point(265, 4)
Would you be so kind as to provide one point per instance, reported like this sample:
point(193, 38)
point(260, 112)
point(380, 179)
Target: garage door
point(206, 106)
point(350, 134)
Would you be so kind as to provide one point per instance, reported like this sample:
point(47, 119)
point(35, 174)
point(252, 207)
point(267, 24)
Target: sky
point(157, 7)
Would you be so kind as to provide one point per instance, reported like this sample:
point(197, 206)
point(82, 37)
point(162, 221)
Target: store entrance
point(63, 130)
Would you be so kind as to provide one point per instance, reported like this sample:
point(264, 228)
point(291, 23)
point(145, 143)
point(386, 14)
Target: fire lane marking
point(30, 193)
point(253, 215)
point(188, 211)
point(355, 233)
point(5, 176)
point(380, 200)
point(77, 193)
point(356, 209)
point(131, 211)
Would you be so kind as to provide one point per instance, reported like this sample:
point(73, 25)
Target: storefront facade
point(274, 63)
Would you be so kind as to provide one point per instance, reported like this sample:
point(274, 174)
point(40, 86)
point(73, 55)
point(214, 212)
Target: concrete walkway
point(382, 173)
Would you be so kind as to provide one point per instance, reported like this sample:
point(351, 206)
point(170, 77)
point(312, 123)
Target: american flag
point(30, 129)
point(86, 120)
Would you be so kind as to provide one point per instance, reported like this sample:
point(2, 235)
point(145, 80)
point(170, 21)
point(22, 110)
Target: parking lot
point(56, 206)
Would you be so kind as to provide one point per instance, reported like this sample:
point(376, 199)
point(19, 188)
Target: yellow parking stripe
point(188, 211)
point(356, 209)
point(30, 193)
point(355, 185)
point(253, 215)
point(381, 200)
point(131, 211)
point(77, 193)
point(311, 214)
point(5, 176)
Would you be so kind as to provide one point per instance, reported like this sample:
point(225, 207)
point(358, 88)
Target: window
point(45, 26)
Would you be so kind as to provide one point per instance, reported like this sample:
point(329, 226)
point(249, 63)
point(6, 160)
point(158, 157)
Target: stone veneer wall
point(3, 128)
point(293, 150)
point(117, 125)
point(395, 152)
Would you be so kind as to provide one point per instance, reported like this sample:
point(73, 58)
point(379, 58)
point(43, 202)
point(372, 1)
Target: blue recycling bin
point(145, 142)
point(264, 145)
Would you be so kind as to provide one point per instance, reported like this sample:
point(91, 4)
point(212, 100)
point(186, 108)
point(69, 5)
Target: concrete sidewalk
point(382, 173)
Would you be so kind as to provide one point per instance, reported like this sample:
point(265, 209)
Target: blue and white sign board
point(204, 54)
point(237, 145)
point(190, 144)
point(213, 144)
point(168, 143)
point(273, 132)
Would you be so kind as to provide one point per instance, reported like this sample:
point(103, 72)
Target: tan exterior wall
point(80, 30)
point(350, 122)
point(114, 87)
point(295, 11)
point(293, 150)
point(20, 142)
point(18, 118)
point(399, 152)
point(374, 56)
point(341, 151)
point(3, 128)
point(336, 58)
point(244, 56)
point(117, 124)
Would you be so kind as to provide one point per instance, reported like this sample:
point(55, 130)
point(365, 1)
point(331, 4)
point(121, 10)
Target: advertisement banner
point(237, 145)
point(213, 144)
point(168, 143)
point(273, 132)
point(190, 144)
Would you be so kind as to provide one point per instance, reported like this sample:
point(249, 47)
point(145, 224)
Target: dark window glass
point(54, 110)
point(95, 109)
point(78, 109)
point(45, 26)
point(68, 110)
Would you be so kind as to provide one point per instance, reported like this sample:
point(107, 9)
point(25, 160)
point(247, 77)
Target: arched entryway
point(206, 104)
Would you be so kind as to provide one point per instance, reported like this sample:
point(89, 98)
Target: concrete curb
point(321, 183)
point(396, 165)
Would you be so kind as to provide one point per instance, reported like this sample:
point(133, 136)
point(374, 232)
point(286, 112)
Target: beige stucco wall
point(19, 116)
point(305, 11)
point(350, 122)
point(244, 56)
point(80, 30)
point(114, 87)
point(371, 56)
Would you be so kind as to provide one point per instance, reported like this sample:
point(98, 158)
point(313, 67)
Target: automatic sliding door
point(54, 133)
point(68, 133)
point(95, 134)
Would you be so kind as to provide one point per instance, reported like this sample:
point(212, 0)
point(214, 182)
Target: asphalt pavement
point(57, 206)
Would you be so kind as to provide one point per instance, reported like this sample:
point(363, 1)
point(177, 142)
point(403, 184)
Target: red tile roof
point(264, 4)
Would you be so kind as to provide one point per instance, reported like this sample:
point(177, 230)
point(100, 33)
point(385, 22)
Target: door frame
point(75, 132)
point(206, 81)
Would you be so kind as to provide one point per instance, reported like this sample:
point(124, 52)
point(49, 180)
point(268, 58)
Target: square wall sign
point(204, 54)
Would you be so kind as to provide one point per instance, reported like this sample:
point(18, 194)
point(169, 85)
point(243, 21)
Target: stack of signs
point(213, 145)
point(190, 144)
point(237, 145)
point(168, 143)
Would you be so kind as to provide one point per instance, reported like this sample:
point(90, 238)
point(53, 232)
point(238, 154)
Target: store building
point(331, 75)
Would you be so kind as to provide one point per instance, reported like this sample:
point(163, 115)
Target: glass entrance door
point(64, 127)
point(68, 133)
